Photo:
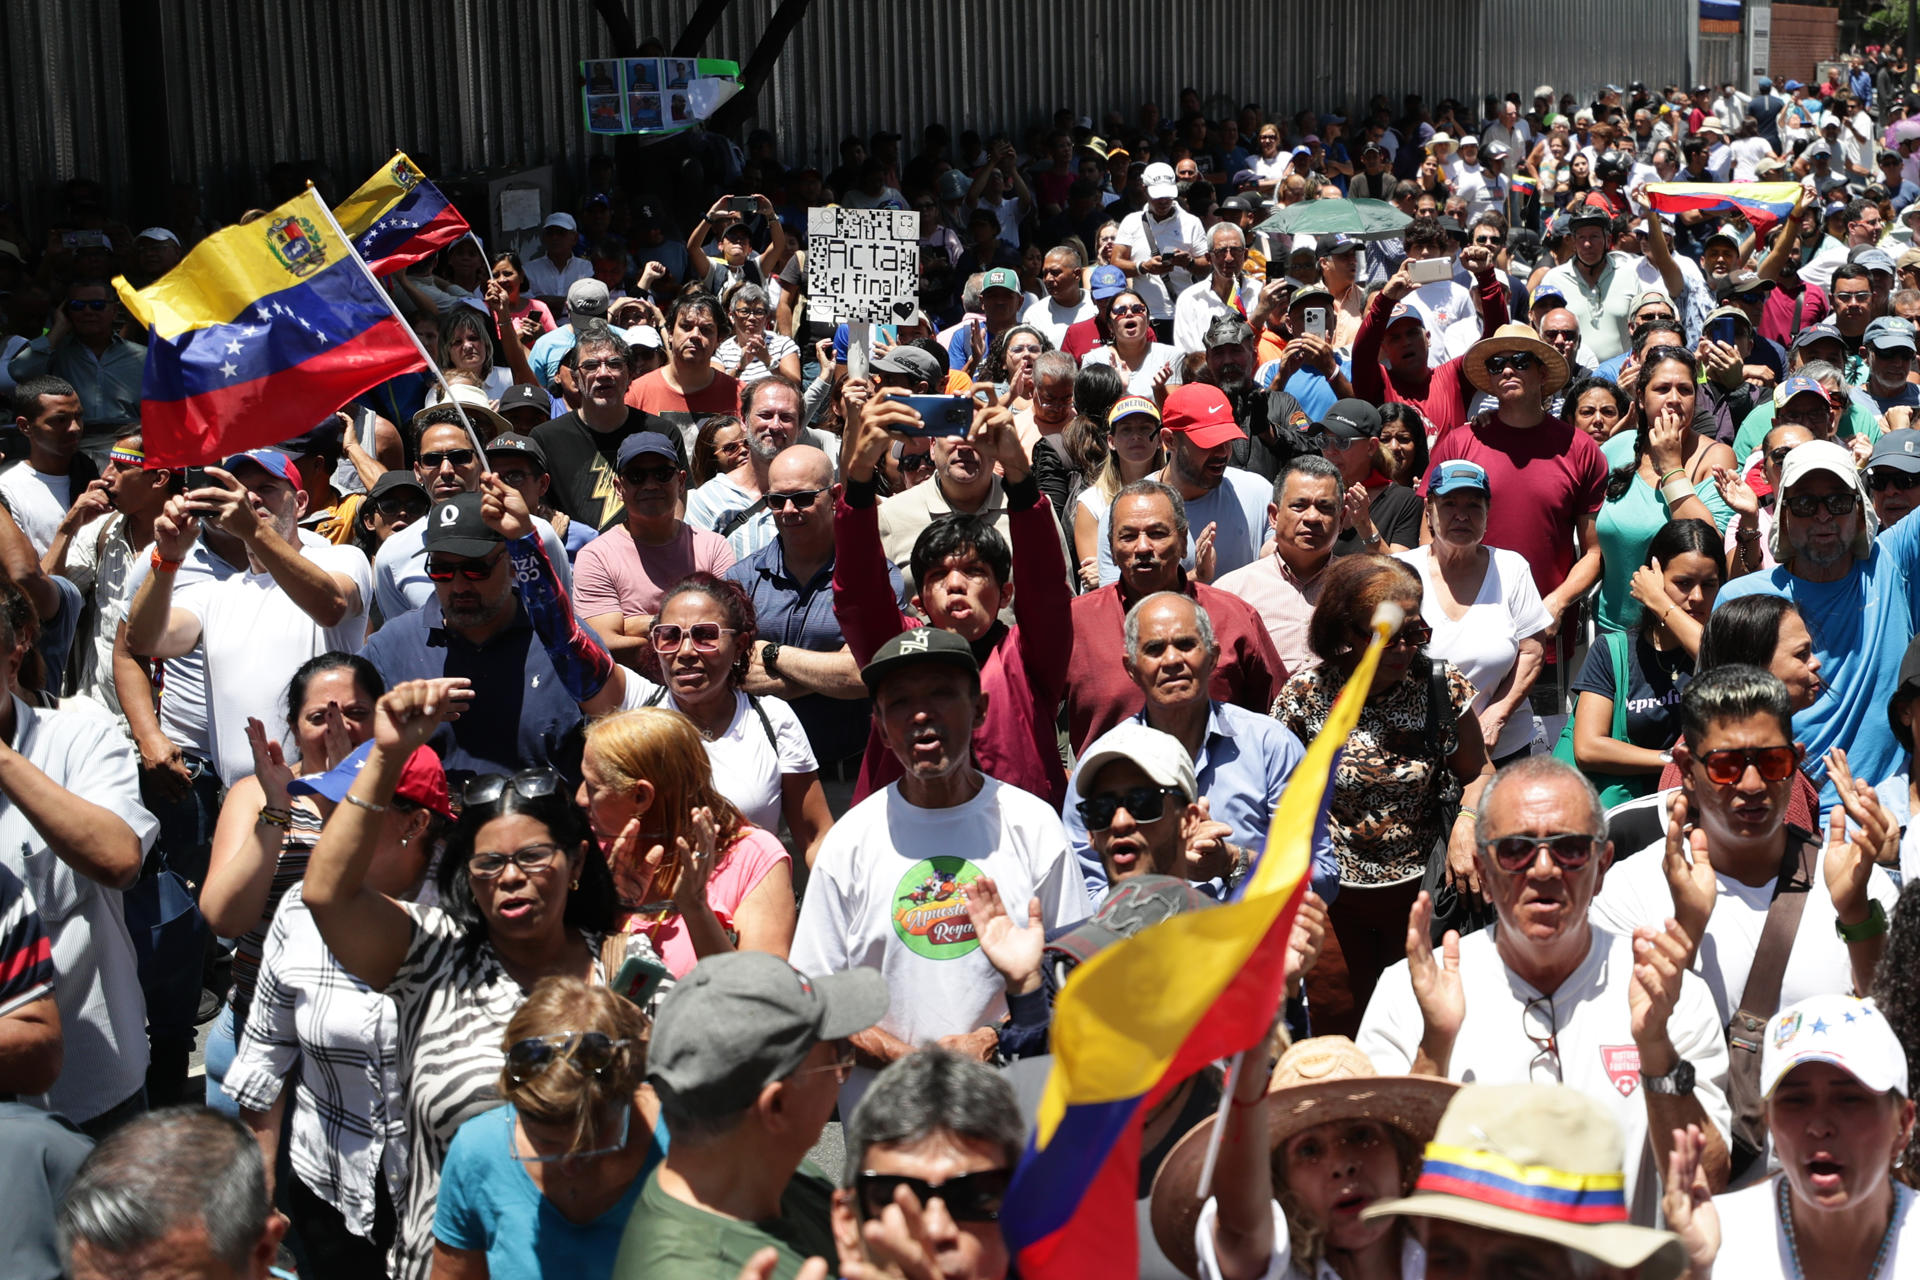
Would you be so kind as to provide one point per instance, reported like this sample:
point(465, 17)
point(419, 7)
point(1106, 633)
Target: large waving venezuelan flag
point(398, 217)
point(260, 332)
point(1141, 1016)
point(1761, 203)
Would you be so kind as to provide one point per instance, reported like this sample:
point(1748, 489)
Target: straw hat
point(1541, 1161)
point(1508, 338)
point(487, 420)
point(1318, 1081)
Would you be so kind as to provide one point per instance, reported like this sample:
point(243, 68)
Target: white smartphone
point(1430, 270)
point(1315, 320)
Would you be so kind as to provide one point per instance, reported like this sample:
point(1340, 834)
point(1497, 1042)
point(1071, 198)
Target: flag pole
point(479, 448)
point(1220, 1124)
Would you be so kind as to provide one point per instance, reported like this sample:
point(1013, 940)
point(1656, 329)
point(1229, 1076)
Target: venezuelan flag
point(1761, 203)
point(398, 217)
point(260, 332)
point(1070, 1210)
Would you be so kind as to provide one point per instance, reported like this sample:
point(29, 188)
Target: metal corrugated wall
point(61, 112)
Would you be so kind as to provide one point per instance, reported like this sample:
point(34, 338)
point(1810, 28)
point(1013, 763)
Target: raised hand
point(270, 767)
point(1436, 979)
point(1659, 965)
point(175, 529)
point(1686, 1200)
point(1206, 552)
point(1848, 862)
point(94, 501)
point(1690, 875)
point(1208, 853)
point(1666, 440)
point(1012, 949)
point(1736, 492)
point(339, 743)
point(503, 507)
point(408, 714)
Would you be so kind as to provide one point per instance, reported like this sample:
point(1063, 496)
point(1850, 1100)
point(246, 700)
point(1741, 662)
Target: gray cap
point(587, 298)
point(909, 361)
point(1899, 450)
point(743, 1019)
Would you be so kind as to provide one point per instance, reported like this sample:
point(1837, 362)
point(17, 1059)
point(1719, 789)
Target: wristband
point(163, 565)
point(1872, 927)
point(282, 818)
point(1678, 491)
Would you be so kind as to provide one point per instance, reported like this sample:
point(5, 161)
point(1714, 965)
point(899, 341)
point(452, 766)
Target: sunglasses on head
point(471, 570)
point(528, 784)
point(649, 475)
point(590, 1052)
point(439, 457)
point(1881, 479)
point(971, 1197)
point(1145, 804)
point(1518, 361)
point(799, 498)
point(1514, 854)
point(667, 637)
point(1725, 768)
point(1839, 504)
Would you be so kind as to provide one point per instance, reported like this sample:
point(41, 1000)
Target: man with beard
point(1889, 348)
point(1599, 285)
point(737, 508)
point(1850, 586)
point(1226, 505)
point(1270, 441)
point(1893, 475)
point(581, 445)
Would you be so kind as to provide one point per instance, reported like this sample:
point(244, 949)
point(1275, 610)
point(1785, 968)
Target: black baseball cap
point(910, 648)
point(1350, 420)
point(514, 442)
point(395, 481)
point(457, 528)
point(524, 395)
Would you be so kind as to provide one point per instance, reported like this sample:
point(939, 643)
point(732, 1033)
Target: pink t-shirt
point(615, 574)
point(1544, 478)
point(744, 863)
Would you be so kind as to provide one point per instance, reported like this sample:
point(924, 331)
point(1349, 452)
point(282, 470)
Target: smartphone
point(745, 206)
point(638, 979)
point(196, 478)
point(1430, 270)
point(939, 415)
point(1722, 330)
point(1316, 321)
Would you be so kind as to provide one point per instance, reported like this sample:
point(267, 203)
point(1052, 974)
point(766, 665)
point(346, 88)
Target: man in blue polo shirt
point(801, 655)
point(475, 627)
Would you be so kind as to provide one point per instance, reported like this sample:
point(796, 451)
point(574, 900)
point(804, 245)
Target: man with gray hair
point(1284, 586)
point(1549, 997)
point(948, 1133)
point(1227, 290)
point(582, 446)
point(739, 506)
point(1241, 759)
point(177, 1192)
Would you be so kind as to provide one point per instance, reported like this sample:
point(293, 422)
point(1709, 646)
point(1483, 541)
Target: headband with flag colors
point(1070, 1211)
point(398, 217)
point(265, 326)
point(1761, 203)
point(1543, 1192)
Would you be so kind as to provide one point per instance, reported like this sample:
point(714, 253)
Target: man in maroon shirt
point(1149, 532)
point(1390, 357)
point(961, 576)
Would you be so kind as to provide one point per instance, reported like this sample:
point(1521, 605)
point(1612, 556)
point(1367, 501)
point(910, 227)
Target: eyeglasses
point(1145, 804)
point(916, 462)
point(754, 313)
point(1570, 850)
point(1778, 457)
point(1538, 1013)
point(800, 498)
point(841, 1066)
point(590, 1052)
point(1411, 635)
point(1130, 309)
point(1838, 504)
point(667, 637)
point(649, 475)
point(86, 304)
point(528, 784)
point(971, 1197)
point(530, 859)
point(594, 366)
point(1881, 479)
point(440, 457)
point(1518, 361)
point(1726, 768)
point(471, 570)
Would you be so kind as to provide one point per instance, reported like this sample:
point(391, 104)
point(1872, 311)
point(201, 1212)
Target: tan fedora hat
point(487, 420)
point(1509, 338)
point(1317, 1081)
point(1536, 1160)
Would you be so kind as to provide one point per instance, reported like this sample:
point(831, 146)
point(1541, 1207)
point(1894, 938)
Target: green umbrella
point(1357, 219)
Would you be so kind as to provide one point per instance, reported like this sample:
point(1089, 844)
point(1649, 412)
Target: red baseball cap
point(1203, 413)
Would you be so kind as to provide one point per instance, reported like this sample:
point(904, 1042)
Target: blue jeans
point(171, 937)
point(222, 1045)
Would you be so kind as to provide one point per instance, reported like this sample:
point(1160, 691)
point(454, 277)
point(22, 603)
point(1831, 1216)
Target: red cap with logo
point(1202, 412)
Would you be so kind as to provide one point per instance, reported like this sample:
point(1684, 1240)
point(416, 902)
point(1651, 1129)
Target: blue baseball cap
point(1791, 85)
point(275, 462)
point(1458, 475)
point(1106, 282)
point(645, 442)
point(1545, 291)
point(1799, 385)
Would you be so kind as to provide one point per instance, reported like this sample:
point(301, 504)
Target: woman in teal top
point(544, 1186)
point(1662, 471)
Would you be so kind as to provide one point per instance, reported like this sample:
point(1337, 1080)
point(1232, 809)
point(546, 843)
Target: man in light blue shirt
point(81, 348)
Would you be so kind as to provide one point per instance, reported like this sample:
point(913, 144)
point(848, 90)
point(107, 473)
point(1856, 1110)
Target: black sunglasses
point(1518, 361)
point(1146, 804)
point(649, 475)
point(471, 570)
point(971, 1197)
point(1514, 854)
point(591, 1053)
point(916, 461)
point(439, 457)
point(799, 498)
point(1881, 479)
point(1839, 504)
point(529, 784)
point(86, 304)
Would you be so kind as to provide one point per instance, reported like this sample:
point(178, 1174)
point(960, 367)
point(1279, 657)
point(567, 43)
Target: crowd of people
point(569, 778)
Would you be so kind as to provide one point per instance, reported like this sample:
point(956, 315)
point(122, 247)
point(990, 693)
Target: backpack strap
point(726, 527)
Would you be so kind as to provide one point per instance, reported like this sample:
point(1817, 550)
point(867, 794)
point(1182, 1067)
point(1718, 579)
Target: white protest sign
point(862, 265)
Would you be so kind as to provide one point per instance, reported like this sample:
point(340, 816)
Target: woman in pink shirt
point(691, 874)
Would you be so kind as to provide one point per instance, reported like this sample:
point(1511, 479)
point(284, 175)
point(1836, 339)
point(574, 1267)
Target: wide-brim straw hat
point(1509, 338)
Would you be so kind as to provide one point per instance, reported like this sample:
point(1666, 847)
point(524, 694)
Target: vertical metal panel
point(1578, 48)
point(60, 113)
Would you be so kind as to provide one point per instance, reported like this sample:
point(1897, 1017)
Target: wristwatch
point(770, 658)
point(1678, 1082)
point(1872, 927)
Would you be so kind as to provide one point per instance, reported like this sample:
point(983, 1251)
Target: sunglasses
point(528, 784)
point(86, 304)
point(1411, 635)
point(590, 1052)
point(1518, 361)
point(1881, 479)
point(530, 859)
point(394, 507)
point(439, 457)
point(1778, 457)
point(1146, 804)
point(1130, 309)
point(916, 461)
point(649, 475)
point(471, 570)
point(1853, 295)
point(1839, 504)
point(799, 498)
point(1514, 854)
point(1725, 768)
point(971, 1197)
point(667, 637)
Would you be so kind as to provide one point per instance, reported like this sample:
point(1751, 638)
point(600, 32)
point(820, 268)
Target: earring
point(576, 882)
point(403, 841)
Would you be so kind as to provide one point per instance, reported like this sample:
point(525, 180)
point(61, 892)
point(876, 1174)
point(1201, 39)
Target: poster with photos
point(645, 95)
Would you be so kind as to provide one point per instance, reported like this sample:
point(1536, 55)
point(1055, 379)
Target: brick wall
point(1804, 35)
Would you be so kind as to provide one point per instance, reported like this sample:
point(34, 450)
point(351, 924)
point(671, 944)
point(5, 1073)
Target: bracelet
point(1662, 482)
point(163, 565)
point(1743, 534)
point(282, 818)
point(368, 805)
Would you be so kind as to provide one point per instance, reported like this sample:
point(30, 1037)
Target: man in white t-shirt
point(1547, 997)
point(885, 892)
point(1162, 248)
point(40, 488)
point(300, 597)
point(1066, 303)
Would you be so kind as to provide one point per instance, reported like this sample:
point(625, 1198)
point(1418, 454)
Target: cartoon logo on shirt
point(1622, 1063)
point(929, 913)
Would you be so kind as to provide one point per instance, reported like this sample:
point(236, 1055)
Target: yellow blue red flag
point(1142, 1016)
point(260, 332)
point(398, 217)
point(1761, 203)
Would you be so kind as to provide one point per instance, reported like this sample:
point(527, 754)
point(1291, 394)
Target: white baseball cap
point(1160, 182)
point(644, 335)
point(1159, 755)
point(562, 220)
point(1848, 1032)
point(159, 233)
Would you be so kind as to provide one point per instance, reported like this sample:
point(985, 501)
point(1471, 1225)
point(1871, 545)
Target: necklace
point(1784, 1200)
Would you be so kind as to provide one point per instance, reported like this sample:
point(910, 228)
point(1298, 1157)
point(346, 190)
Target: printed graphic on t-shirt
point(1623, 1067)
point(929, 913)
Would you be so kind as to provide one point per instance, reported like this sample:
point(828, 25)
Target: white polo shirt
point(1602, 307)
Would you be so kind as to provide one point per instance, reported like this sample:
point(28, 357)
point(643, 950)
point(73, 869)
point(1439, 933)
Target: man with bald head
point(800, 653)
point(1226, 283)
point(1561, 329)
